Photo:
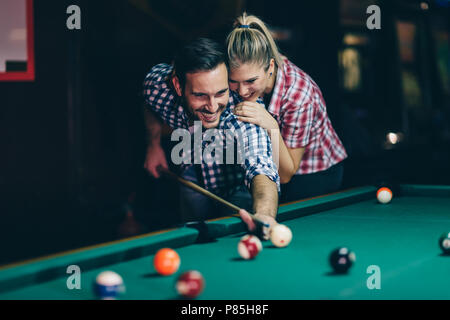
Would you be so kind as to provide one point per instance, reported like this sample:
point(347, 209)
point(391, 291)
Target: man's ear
point(177, 86)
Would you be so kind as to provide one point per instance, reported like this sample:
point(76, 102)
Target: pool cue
point(209, 194)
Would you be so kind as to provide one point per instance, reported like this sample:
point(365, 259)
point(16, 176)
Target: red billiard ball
point(190, 284)
point(166, 261)
point(249, 246)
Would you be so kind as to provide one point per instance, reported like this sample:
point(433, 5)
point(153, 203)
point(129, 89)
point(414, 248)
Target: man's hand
point(251, 224)
point(155, 160)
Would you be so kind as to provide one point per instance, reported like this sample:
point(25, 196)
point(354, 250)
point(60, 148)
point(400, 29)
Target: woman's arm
point(287, 159)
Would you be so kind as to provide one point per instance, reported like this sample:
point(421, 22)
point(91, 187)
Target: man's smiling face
point(206, 94)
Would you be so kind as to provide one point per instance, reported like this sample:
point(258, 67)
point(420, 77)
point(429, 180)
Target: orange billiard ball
point(166, 261)
point(384, 195)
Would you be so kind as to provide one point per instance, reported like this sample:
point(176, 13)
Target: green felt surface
point(101, 256)
point(401, 238)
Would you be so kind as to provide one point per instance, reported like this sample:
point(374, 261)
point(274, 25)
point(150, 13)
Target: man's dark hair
point(202, 54)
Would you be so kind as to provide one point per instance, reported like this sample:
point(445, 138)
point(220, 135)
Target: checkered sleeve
point(257, 154)
point(160, 98)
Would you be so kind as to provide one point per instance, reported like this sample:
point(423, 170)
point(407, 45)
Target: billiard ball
point(190, 284)
point(166, 261)
point(280, 235)
point(341, 259)
point(108, 285)
point(249, 246)
point(444, 243)
point(384, 195)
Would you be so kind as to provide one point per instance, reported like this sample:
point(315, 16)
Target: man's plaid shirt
point(251, 143)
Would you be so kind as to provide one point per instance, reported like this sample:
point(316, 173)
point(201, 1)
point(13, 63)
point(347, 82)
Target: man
point(196, 89)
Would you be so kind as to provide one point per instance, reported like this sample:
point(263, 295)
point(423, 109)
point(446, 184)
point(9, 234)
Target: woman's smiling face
point(249, 80)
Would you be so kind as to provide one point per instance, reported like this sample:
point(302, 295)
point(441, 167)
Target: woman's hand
point(255, 113)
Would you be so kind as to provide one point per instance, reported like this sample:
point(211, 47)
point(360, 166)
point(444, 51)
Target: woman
point(308, 151)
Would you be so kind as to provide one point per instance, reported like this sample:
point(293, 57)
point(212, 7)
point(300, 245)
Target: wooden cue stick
point(206, 193)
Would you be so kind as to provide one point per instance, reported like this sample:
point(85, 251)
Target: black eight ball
point(341, 259)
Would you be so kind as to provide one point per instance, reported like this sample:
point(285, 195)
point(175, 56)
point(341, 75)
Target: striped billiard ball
point(384, 195)
point(190, 284)
point(108, 285)
point(444, 243)
point(249, 246)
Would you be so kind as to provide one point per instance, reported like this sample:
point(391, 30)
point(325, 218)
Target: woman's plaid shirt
point(300, 110)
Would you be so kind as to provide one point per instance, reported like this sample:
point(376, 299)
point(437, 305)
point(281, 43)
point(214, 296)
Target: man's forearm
point(265, 196)
point(154, 128)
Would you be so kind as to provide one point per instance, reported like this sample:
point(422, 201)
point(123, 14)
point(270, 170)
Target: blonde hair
point(251, 42)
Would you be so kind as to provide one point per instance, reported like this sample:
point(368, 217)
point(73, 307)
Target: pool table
point(399, 238)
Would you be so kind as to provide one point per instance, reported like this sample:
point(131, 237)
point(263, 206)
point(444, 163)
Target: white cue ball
point(280, 235)
point(384, 195)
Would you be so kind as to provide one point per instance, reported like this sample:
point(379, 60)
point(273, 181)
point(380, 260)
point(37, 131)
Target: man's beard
point(193, 116)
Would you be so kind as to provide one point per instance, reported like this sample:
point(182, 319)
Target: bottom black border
point(176, 309)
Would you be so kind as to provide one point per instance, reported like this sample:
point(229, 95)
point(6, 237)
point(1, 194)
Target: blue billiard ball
point(108, 285)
